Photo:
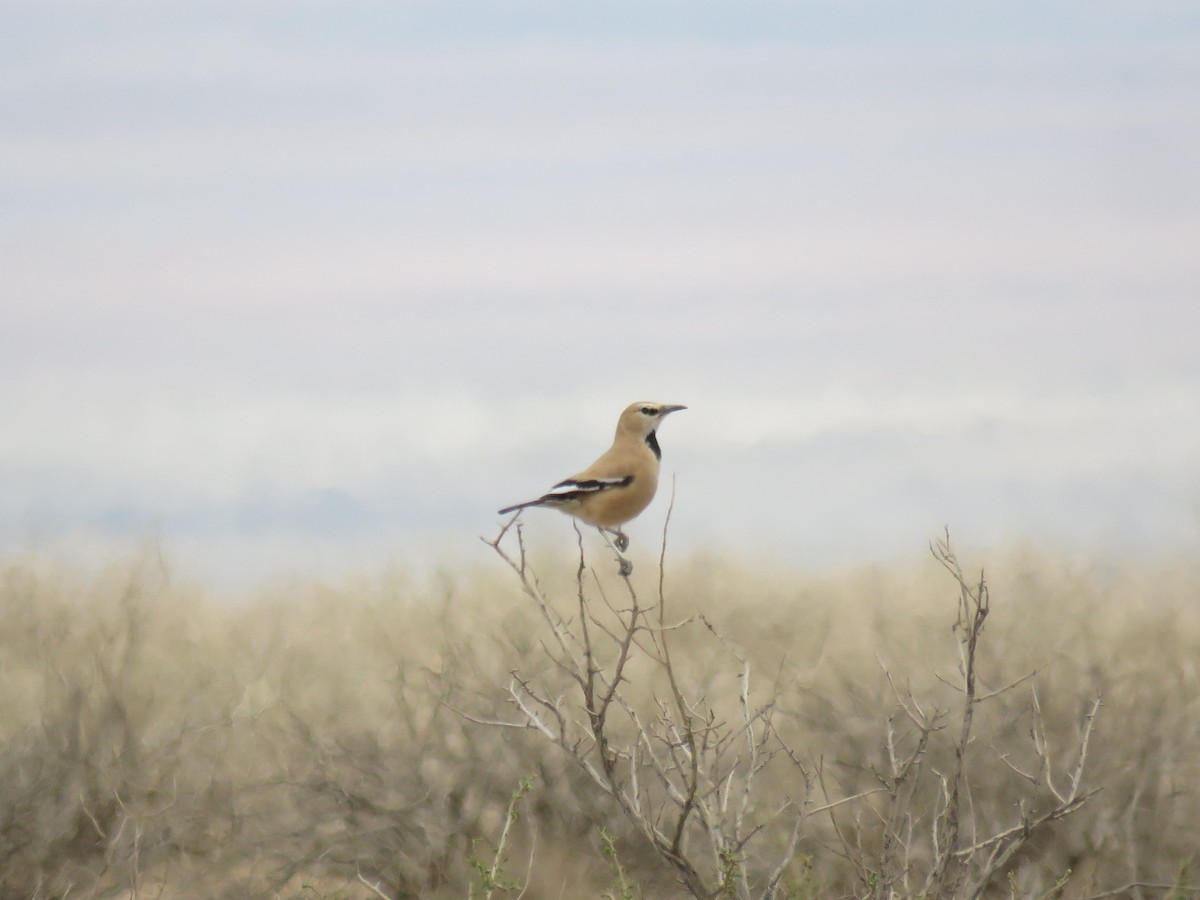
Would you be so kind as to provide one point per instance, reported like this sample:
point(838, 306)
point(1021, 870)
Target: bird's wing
point(618, 468)
point(575, 488)
point(572, 489)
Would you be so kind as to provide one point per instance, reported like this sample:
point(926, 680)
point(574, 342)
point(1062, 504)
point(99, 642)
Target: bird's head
point(642, 419)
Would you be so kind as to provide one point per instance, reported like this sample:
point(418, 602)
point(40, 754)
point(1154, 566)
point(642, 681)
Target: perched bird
point(617, 486)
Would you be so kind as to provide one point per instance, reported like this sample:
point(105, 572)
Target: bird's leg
point(626, 567)
point(619, 538)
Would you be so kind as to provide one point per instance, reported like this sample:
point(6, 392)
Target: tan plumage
point(621, 483)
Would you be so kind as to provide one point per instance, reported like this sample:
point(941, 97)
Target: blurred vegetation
point(330, 741)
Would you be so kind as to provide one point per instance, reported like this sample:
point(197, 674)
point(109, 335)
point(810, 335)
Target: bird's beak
point(671, 409)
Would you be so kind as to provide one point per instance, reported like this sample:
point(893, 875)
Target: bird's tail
point(525, 505)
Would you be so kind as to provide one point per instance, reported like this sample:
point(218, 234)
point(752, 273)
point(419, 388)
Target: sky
point(298, 286)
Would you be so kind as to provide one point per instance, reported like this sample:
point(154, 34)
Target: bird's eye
point(649, 411)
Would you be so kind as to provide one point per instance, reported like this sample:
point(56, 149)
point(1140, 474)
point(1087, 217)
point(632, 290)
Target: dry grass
point(154, 742)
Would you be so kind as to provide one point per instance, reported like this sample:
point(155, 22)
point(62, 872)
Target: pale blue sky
point(297, 281)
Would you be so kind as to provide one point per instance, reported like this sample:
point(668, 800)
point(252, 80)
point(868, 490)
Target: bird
point(619, 485)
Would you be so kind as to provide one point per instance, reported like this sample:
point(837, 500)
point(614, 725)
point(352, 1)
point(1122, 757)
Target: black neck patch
point(652, 443)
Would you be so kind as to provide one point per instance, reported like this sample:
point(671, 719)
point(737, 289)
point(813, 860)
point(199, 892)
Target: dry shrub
point(313, 743)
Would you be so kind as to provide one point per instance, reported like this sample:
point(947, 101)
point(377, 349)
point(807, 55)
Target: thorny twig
point(679, 771)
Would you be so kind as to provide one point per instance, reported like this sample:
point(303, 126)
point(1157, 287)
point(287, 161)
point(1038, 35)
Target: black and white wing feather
point(571, 490)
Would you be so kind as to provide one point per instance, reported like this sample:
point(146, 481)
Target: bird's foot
point(617, 543)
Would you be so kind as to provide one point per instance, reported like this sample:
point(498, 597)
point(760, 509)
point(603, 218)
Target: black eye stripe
point(649, 411)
